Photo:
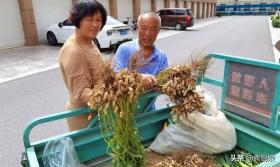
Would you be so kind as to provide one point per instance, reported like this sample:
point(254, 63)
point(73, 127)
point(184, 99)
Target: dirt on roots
point(185, 158)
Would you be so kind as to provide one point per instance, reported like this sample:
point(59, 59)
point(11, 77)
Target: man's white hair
point(153, 14)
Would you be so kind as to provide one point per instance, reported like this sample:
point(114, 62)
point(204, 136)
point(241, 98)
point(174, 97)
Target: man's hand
point(148, 81)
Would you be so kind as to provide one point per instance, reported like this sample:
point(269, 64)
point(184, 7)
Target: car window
point(170, 12)
point(161, 12)
point(180, 12)
point(189, 12)
point(111, 21)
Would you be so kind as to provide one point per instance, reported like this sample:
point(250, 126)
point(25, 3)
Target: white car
point(111, 36)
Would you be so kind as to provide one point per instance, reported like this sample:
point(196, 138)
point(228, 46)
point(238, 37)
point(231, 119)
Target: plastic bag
point(61, 153)
point(209, 133)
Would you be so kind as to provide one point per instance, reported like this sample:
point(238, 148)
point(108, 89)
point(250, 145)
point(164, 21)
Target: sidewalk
point(24, 61)
point(275, 36)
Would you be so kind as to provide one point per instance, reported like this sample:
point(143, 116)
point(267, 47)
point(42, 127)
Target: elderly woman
point(80, 60)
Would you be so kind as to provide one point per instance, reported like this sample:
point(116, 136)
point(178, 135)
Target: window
point(170, 12)
point(180, 12)
point(111, 21)
point(275, 4)
point(161, 12)
point(262, 7)
point(189, 12)
point(247, 6)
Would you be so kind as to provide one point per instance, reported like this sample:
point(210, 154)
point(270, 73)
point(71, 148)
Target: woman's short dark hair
point(86, 8)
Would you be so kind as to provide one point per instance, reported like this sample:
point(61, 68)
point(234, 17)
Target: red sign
point(250, 92)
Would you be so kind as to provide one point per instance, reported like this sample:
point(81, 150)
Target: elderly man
point(152, 59)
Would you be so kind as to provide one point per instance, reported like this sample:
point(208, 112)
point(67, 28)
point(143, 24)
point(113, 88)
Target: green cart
point(250, 100)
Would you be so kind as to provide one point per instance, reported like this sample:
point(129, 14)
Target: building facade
point(247, 7)
point(243, 2)
point(24, 21)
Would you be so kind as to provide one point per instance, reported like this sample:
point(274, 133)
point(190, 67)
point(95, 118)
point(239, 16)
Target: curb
point(275, 36)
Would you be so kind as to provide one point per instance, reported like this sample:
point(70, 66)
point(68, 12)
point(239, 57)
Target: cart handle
point(50, 118)
point(71, 113)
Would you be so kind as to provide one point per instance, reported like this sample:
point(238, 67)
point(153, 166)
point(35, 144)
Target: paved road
point(26, 98)
point(247, 36)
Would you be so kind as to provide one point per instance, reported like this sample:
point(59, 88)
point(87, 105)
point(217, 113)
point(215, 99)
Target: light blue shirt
point(153, 65)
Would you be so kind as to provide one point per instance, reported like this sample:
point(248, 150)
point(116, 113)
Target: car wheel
point(178, 26)
point(95, 41)
point(114, 48)
point(51, 39)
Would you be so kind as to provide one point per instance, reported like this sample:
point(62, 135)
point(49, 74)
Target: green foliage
point(124, 146)
point(276, 22)
point(277, 16)
point(237, 158)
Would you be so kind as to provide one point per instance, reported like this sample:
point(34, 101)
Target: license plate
point(123, 32)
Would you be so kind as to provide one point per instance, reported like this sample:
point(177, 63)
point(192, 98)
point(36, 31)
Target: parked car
point(131, 23)
point(111, 36)
point(179, 18)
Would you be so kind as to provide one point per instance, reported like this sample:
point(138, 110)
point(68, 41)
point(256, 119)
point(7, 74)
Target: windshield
point(111, 21)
